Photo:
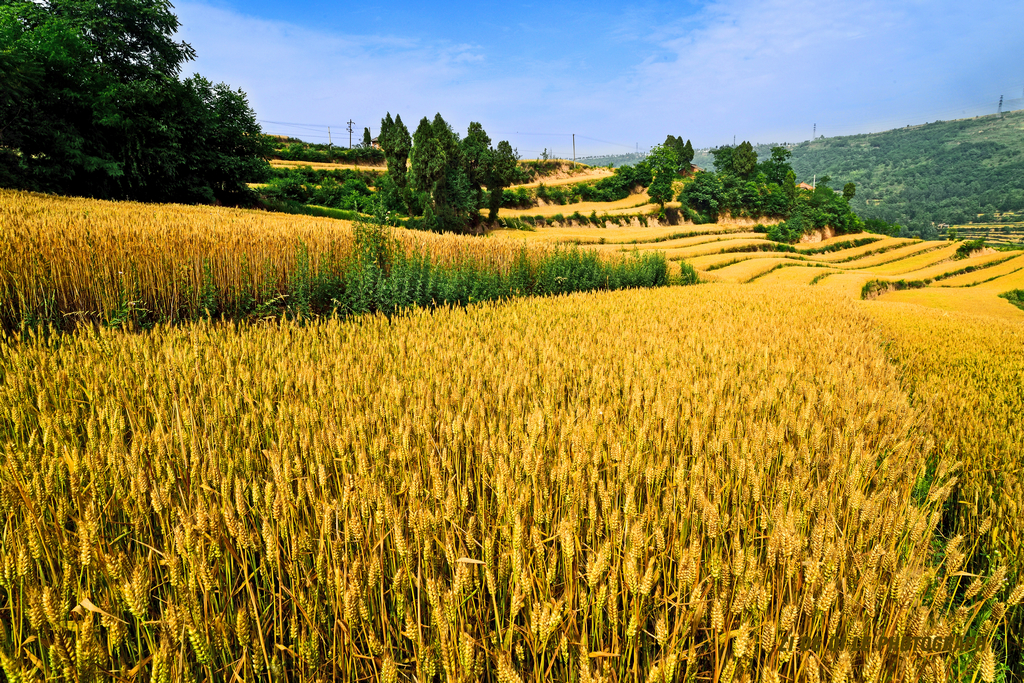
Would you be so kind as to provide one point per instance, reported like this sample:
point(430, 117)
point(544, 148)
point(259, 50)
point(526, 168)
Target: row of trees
point(666, 161)
point(684, 152)
point(91, 104)
point(435, 174)
point(744, 187)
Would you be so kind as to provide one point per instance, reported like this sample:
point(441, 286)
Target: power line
point(865, 126)
point(606, 142)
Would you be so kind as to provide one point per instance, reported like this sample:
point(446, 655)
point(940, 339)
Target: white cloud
point(774, 68)
point(296, 74)
point(765, 70)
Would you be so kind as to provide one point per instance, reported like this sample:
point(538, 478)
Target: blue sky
point(618, 75)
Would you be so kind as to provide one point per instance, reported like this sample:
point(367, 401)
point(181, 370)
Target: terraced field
point(654, 484)
point(324, 166)
point(1009, 232)
point(631, 204)
point(926, 273)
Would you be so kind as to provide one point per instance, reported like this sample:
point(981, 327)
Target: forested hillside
point(945, 172)
point(952, 172)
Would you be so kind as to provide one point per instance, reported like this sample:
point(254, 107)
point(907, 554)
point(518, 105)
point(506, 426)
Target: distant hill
point(614, 160)
point(947, 172)
point(952, 172)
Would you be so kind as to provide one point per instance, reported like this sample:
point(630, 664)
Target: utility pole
point(350, 122)
point(1000, 111)
point(574, 150)
point(815, 134)
point(330, 143)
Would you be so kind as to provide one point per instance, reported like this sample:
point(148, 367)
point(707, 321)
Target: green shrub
point(966, 248)
point(687, 274)
point(874, 288)
point(515, 224)
point(1015, 297)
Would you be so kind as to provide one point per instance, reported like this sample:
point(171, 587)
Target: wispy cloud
point(760, 69)
point(297, 74)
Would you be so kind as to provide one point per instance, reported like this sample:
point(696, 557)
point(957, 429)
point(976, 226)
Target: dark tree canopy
point(396, 142)
point(476, 156)
point(703, 194)
point(742, 187)
point(664, 163)
point(777, 166)
point(438, 170)
point(500, 174)
point(740, 161)
point(447, 175)
point(683, 151)
point(744, 160)
point(91, 104)
point(132, 39)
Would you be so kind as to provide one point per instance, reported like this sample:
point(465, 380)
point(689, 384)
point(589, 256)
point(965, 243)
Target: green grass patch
point(1015, 297)
point(874, 288)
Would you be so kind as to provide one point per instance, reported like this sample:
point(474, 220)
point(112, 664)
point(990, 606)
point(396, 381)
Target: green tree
point(437, 170)
point(777, 166)
point(744, 160)
point(849, 190)
point(686, 158)
point(723, 159)
point(664, 163)
point(789, 186)
point(740, 161)
point(91, 104)
point(500, 174)
point(367, 139)
point(683, 150)
point(476, 159)
point(704, 195)
point(396, 143)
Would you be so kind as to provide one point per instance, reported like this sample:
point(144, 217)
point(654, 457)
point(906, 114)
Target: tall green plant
point(663, 161)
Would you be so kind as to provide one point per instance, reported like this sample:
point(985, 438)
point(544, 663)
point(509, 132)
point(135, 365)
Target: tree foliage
point(740, 161)
point(500, 174)
point(448, 176)
point(766, 189)
point(704, 195)
point(744, 160)
point(396, 143)
point(952, 172)
point(684, 152)
point(664, 164)
point(91, 104)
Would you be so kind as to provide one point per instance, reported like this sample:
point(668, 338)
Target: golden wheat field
point(726, 483)
point(83, 257)
point(389, 500)
point(631, 203)
point(326, 166)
